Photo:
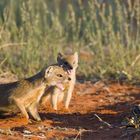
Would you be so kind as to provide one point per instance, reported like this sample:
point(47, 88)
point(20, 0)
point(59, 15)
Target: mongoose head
point(68, 62)
point(56, 76)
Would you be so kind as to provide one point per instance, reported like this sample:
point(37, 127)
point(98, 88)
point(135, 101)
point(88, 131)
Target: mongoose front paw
point(34, 121)
point(66, 110)
point(30, 121)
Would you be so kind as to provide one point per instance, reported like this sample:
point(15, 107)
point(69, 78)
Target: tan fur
point(24, 95)
point(55, 95)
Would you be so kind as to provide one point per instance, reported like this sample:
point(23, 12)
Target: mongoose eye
point(69, 79)
point(59, 75)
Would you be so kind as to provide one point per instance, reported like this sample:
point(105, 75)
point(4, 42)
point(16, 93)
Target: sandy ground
point(111, 102)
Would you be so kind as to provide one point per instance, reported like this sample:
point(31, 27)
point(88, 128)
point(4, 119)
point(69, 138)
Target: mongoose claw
point(66, 110)
point(30, 121)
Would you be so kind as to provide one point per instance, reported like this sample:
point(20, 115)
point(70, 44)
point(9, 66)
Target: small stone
point(27, 132)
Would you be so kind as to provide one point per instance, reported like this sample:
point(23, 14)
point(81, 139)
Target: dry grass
point(33, 32)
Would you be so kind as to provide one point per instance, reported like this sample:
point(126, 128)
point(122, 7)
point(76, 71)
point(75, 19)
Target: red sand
point(111, 102)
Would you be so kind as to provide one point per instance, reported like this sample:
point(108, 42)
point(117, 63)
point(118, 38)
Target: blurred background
point(106, 34)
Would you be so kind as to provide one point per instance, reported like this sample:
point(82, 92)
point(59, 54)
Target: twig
point(80, 132)
point(32, 135)
point(12, 44)
point(130, 133)
point(3, 61)
point(109, 125)
point(136, 59)
point(6, 131)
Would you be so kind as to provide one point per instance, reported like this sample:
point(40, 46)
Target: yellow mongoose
point(24, 95)
point(70, 64)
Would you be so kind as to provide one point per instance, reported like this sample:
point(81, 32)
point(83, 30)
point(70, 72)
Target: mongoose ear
point(59, 56)
point(48, 71)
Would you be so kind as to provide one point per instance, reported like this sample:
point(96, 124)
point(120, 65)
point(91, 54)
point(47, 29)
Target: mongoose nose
point(69, 79)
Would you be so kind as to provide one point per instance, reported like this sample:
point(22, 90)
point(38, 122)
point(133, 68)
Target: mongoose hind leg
point(34, 112)
point(22, 108)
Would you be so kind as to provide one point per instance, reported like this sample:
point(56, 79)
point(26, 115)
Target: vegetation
point(32, 32)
